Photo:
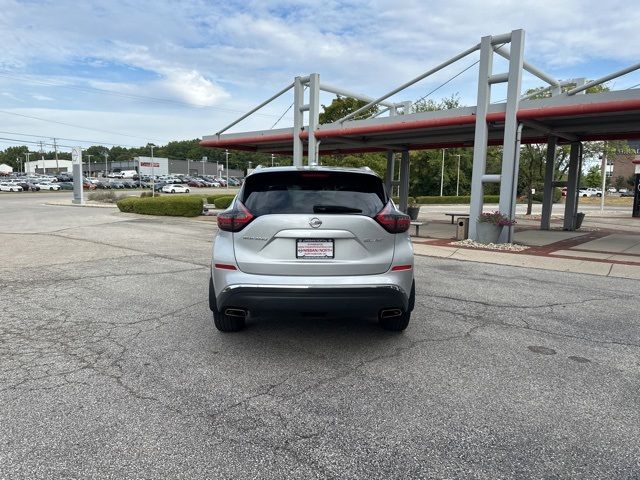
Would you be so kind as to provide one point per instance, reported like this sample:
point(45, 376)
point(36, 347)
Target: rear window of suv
point(305, 192)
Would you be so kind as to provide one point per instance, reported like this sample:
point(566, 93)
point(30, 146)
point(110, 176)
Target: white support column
point(314, 117)
point(511, 145)
point(481, 135)
point(298, 121)
point(547, 194)
point(404, 180)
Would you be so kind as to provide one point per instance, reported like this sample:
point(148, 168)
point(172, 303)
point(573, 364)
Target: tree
point(342, 106)
point(620, 182)
point(593, 178)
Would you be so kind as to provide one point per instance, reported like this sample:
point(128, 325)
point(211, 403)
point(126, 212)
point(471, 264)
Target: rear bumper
point(352, 299)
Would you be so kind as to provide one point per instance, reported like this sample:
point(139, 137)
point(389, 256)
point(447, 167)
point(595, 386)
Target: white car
point(48, 186)
point(175, 188)
point(612, 190)
point(10, 187)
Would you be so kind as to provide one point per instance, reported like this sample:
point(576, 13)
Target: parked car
point(626, 193)
point(10, 187)
point(65, 185)
point(88, 185)
point(623, 190)
point(102, 185)
point(128, 184)
point(196, 183)
point(612, 190)
point(48, 186)
point(117, 185)
point(320, 240)
point(590, 192)
point(175, 188)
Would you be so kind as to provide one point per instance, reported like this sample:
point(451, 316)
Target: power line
point(285, 112)
point(75, 126)
point(93, 142)
point(450, 79)
point(127, 95)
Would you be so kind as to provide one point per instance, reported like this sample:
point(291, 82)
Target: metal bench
point(454, 215)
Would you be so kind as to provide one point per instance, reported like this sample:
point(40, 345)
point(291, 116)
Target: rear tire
point(186, 190)
point(396, 324)
point(226, 323)
point(222, 322)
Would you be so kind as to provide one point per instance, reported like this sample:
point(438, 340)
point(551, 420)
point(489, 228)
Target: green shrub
point(212, 198)
point(107, 196)
point(396, 200)
point(223, 202)
point(183, 206)
point(557, 195)
point(453, 200)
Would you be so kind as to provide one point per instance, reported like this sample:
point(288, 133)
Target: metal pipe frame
point(606, 78)
point(411, 82)
point(255, 109)
point(529, 68)
point(346, 93)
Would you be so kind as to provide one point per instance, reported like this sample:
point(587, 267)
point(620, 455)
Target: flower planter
point(413, 212)
point(488, 232)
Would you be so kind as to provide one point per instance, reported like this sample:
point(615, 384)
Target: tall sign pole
point(76, 158)
point(636, 191)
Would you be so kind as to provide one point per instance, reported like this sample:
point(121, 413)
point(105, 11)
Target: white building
point(5, 169)
point(48, 166)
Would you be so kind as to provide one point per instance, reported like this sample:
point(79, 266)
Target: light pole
point(26, 161)
point(442, 174)
point(204, 159)
point(153, 171)
point(272, 156)
point(89, 161)
point(226, 154)
point(105, 154)
point(458, 180)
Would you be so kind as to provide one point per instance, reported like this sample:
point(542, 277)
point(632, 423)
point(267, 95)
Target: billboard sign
point(157, 166)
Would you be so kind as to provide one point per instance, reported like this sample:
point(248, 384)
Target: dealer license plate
point(314, 248)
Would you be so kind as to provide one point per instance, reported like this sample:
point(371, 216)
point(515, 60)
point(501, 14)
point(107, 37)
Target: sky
point(137, 71)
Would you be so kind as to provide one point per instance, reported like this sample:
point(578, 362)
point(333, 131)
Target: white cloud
point(232, 54)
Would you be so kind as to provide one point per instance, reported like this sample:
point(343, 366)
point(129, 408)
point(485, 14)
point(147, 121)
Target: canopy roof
point(599, 116)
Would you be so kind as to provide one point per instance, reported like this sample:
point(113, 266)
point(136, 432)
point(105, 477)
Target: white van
point(124, 174)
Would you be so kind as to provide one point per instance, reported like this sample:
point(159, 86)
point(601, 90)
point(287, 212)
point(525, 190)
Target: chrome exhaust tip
point(235, 312)
point(390, 312)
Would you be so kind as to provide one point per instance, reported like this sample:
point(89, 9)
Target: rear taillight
point(236, 219)
point(392, 220)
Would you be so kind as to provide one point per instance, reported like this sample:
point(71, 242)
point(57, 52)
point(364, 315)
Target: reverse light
point(236, 219)
point(392, 220)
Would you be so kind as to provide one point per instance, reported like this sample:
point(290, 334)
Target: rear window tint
point(300, 192)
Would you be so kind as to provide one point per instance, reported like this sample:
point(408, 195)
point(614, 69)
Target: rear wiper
point(334, 209)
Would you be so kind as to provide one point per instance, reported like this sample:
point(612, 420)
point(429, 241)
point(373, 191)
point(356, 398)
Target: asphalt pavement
point(110, 367)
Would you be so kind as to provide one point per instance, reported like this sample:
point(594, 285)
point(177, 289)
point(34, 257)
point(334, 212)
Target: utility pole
point(272, 155)
point(55, 148)
point(442, 174)
point(89, 157)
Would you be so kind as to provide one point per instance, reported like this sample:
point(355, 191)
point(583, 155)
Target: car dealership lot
point(110, 367)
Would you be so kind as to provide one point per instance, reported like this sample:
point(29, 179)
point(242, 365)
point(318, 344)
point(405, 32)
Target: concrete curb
point(604, 269)
point(70, 204)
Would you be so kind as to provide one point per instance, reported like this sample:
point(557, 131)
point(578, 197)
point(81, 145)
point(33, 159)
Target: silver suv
point(312, 240)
